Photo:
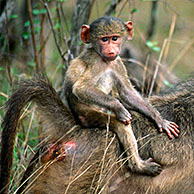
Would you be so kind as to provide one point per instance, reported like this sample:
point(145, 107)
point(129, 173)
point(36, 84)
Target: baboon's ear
point(129, 26)
point(85, 32)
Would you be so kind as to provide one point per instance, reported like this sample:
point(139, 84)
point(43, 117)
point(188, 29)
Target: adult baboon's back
point(95, 165)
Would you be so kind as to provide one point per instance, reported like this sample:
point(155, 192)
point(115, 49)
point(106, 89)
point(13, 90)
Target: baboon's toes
point(151, 168)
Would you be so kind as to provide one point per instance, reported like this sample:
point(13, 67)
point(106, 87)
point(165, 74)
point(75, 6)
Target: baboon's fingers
point(174, 132)
point(171, 128)
point(174, 129)
point(172, 123)
point(168, 133)
point(126, 122)
point(161, 129)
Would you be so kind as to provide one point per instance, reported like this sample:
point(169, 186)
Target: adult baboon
point(93, 160)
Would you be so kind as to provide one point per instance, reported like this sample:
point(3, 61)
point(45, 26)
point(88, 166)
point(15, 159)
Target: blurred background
point(42, 36)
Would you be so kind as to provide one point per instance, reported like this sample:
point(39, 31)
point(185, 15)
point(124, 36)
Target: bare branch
point(111, 9)
point(42, 43)
point(153, 18)
point(54, 32)
point(81, 16)
point(10, 6)
point(33, 36)
point(64, 18)
point(8, 46)
point(122, 7)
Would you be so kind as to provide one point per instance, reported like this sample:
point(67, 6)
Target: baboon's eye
point(104, 39)
point(115, 38)
point(56, 153)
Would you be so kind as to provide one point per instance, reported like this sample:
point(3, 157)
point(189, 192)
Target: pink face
point(110, 46)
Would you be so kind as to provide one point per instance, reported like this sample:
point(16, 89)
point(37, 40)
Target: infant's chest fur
point(105, 82)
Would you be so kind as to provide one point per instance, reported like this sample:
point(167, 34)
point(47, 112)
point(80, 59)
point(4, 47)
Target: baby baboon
point(96, 83)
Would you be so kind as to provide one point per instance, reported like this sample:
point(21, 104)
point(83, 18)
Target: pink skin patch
point(70, 145)
point(58, 151)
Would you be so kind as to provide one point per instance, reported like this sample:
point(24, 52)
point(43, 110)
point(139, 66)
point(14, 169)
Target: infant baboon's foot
point(148, 167)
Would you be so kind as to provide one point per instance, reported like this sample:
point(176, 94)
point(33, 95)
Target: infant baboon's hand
point(124, 116)
point(170, 128)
